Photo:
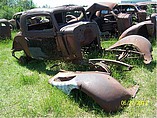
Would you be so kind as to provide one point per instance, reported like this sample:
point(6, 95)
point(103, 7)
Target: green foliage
point(150, 9)
point(9, 7)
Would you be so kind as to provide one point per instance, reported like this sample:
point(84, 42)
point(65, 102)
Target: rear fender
point(20, 44)
point(104, 89)
point(145, 29)
point(141, 44)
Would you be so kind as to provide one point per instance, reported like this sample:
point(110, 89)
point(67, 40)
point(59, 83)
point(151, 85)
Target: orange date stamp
point(134, 103)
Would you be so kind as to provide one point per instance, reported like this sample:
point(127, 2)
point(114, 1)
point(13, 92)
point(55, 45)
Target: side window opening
point(2, 25)
point(130, 9)
point(69, 16)
point(42, 22)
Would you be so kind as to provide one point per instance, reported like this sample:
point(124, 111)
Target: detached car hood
point(101, 6)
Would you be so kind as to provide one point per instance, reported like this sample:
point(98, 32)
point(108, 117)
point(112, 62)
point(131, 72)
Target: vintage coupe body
point(15, 21)
point(134, 9)
point(60, 32)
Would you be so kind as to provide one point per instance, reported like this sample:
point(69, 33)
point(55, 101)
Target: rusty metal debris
point(5, 31)
point(134, 44)
point(101, 6)
point(145, 28)
point(104, 89)
point(103, 65)
point(124, 21)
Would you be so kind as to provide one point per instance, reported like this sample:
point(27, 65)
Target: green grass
point(25, 92)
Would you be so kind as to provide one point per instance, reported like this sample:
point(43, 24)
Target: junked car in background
point(110, 19)
point(148, 5)
point(113, 18)
point(5, 29)
point(138, 14)
point(15, 21)
point(145, 28)
point(102, 13)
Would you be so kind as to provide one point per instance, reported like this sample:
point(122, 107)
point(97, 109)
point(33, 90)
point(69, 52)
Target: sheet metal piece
point(141, 44)
point(109, 61)
point(124, 21)
point(101, 6)
point(145, 28)
point(104, 89)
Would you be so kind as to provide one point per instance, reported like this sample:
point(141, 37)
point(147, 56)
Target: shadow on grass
point(48, 66)
point(139, 63)
point(87, 103)
point(39, 66)
point(150, 67)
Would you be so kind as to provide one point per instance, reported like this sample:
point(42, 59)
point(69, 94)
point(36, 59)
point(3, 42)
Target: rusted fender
point(145, 28)
point(141, 44)
point(104, 89)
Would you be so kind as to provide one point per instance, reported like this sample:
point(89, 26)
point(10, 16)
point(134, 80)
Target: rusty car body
point(15, 21)
point(147, 4)
point(102, 13)
point(139, 15)
point(133, 44)
point(110, 19)
point(56, 33)
point(154, 20)
point(104, 89)
point(5, 30)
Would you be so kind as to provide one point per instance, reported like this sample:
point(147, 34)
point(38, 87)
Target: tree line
point(10, 7)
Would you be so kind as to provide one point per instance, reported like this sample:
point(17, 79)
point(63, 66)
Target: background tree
point(9, 7)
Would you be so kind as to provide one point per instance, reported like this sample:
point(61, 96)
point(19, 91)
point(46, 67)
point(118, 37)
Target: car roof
point(147, 3)
point(126, 4)
point(54, 9)
point(3, 20)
